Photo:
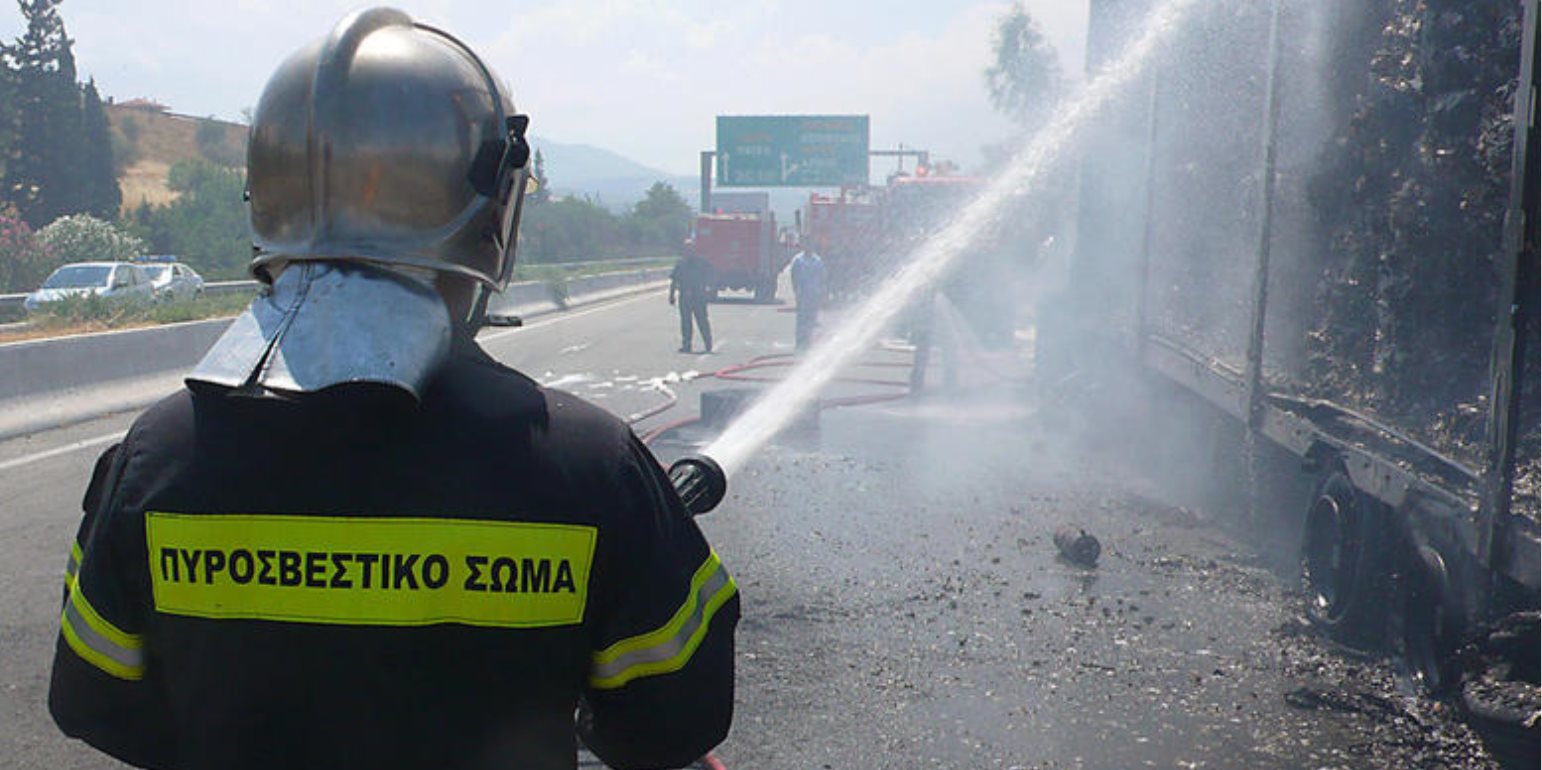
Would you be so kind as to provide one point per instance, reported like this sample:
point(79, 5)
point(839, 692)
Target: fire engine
point(739, 238)
point(863, 232)
point(846, 230)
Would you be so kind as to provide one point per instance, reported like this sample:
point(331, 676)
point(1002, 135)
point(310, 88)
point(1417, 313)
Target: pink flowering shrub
point(24, 260)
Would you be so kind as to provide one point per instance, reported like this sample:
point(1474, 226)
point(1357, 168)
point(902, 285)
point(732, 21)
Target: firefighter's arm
point(98, 691)
point(661, 678)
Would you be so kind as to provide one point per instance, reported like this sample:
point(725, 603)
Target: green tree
point(8, 112)
point(99, 193)
point(42, 167)
point(1024, 80)
point(661, 219)
point(569, 230)
point(542, 187)
point(84, 238)
point(206, 226)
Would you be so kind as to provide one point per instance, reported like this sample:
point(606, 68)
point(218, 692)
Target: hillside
point(148, 139)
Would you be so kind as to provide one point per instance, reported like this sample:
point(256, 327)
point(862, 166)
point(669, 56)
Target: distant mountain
point(617, 182)
point(609, 179)
point(149, 138)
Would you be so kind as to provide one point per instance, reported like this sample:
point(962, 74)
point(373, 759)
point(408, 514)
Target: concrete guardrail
point(58, 381)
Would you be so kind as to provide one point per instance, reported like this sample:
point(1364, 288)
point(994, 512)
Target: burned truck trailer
point(1316, 224)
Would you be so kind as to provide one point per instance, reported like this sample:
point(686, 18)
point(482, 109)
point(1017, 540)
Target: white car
point(113, 280)
point(174, 280)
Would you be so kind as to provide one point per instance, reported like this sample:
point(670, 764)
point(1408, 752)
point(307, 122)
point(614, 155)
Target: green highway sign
point(791, 150)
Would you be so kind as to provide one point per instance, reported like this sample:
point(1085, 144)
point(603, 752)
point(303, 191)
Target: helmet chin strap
point(478, 314)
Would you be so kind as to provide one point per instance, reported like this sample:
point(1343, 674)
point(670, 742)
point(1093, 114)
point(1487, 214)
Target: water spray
point(930, 262)
point(701, 480)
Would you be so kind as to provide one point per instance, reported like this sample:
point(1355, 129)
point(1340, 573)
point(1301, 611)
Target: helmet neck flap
point(332, 323)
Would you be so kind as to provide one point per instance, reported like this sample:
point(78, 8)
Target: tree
point(1025, 78)
point(661, 219)
point(42, 168)
point(8, 113)
point(84, 238)
point(569, 230)
point(99, 193)
point(206, 226)
point(542, 188)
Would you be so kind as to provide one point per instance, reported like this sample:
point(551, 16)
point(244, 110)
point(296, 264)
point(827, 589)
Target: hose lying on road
point(738, 372)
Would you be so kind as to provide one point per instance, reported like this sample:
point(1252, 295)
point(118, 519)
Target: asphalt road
point(904, 605)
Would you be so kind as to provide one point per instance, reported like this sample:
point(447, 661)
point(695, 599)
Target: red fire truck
point(740, 240)
point(863, 233)
point(846, 229)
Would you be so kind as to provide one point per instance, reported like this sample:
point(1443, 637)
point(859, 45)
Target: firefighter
point(808, 284)
point(692, 279)
point(356, 540)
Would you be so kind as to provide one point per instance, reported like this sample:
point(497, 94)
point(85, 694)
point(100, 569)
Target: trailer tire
point(765, 293)
point(1431, 620)
point(1503, 713)
point(1339, 564)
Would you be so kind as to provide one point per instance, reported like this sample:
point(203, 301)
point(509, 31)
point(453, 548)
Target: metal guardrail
point(11, 303)
point(214, 288)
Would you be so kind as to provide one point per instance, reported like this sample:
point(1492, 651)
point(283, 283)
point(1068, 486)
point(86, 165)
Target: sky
point(643, 78)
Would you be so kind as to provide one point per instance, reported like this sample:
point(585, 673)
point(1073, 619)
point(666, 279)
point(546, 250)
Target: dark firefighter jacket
point(346, 580)
point(692, 276)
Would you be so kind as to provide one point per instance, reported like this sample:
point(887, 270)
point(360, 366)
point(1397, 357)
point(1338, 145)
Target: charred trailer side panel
point(1316, 224)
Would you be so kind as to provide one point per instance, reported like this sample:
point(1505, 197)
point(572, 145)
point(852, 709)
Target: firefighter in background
point(692, 279)
point(808, 285)
point(356, 540)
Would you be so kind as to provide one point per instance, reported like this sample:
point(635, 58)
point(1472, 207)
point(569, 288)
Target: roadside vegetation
point(82, 315)
point(83, 178)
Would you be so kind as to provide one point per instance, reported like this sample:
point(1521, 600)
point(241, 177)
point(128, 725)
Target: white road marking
point(568, 316)
point(17, 462)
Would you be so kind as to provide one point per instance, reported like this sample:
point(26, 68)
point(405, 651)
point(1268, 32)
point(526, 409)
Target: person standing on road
point(355, 539)
point(808, 285)
point(692, 279)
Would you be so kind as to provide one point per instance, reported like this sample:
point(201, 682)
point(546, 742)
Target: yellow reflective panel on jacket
point(369, 570)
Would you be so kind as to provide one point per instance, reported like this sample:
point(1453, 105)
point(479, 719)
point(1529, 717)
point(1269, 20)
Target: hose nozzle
point(700, 482)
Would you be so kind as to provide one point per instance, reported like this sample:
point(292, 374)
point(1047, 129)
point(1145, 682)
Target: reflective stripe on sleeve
point(72, 566)
point(669, 647)
point(99, 642)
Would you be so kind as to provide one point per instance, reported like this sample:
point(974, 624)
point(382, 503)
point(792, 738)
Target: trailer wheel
point(1338, 569)
point(1431, 620)
point(765, 293)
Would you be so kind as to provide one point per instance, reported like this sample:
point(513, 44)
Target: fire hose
point(737, 372)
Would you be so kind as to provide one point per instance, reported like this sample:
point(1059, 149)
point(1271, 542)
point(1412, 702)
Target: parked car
point(113, 280)
point(174, 281)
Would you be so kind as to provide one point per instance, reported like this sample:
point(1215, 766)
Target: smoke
point(937, 255)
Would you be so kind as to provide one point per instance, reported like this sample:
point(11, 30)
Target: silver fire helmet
point(380, 158)
point(389, 142)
